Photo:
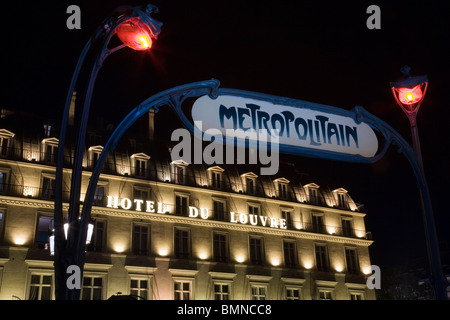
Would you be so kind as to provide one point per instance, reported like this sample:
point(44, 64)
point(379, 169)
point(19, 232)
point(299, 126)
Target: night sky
point(309, 50)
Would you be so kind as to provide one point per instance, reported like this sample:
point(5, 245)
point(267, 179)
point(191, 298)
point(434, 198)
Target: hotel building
point(168, 230)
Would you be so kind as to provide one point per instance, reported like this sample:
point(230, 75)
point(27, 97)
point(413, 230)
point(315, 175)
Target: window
point(347, 230)
point(94, 155)
point(317, 223)
point(290, 256)
point(47, 130)
point(182, 243)
point(1, 225)
point(219, 210)
point(45, 224)
point(92, 288)
point(287, 215)
point(182, 290)
point(292, 293)
point(179, 175)
point(356, 296)
point(250, 185)
point(51, 152)
point(141, 193)
point(325, 295)
point(283, 190)
point(48, 188)
point(5, 141)
point(98, 237)
point(4, 145)
point(216, 180)
point(2, 182)
point(221, 291)
point(256, 250)
point(341, 200)
point(99, 196)
point(181, 205)
point(141, 239)
point(312, 193)
point(140, 162)
point(220, 247)
point(321, 257)
point(258, 292)
point(351, 258)
point(253, 209)
point(140, 288)
point(40, 287)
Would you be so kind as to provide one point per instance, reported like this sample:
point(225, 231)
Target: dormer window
point(47, 130)
point(341, 198)
point(50, 149)
point(140, 164)
point(282, 185)
point(215, 176)
point(249, 180)
point(5, 141)
point(94, 155)
point(179, 171)
point(312, 192)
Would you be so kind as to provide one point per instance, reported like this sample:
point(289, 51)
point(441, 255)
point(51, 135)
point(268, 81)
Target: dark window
point(182, 245)
point(141, 237)
point(290, 257)
point(181, 205)
point(220, 247)
point(256, 250)
point(321, 257)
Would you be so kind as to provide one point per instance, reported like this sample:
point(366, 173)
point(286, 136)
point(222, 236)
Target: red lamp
point(135, 34)
point(409, 93)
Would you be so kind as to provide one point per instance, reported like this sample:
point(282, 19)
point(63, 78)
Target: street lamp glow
point(410, 95)
point(135, 34)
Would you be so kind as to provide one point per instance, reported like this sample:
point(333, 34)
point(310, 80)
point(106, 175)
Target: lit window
point(182, 290)
point(92, 288)
point(40, 287)
point(292, 293)
point(258, 292)
point(221, 291)
point(356, 296)
point(140, 288)
point(325, 295)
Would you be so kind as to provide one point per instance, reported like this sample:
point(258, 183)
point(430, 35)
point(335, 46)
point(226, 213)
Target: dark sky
point(318, 51)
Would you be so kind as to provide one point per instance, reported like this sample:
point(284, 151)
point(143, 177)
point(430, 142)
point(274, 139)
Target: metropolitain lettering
point(317, 131)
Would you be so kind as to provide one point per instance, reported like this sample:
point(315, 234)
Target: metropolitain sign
point(302, 127)
point(193, 212)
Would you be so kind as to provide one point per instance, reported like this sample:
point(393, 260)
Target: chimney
point(151, 124)
point(72, 109)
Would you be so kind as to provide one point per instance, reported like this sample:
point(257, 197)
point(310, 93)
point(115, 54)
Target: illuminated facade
point(168, 230)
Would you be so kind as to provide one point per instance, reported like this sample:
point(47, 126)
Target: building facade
point(168, 230)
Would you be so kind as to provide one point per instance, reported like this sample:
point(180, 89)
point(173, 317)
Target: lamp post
point(409, 94)
point(135, 28)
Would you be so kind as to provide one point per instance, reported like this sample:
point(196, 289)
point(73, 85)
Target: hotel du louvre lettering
point(194, 212)
point(299, 125)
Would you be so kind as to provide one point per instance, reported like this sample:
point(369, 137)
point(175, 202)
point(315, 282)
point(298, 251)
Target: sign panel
point(299, 125)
